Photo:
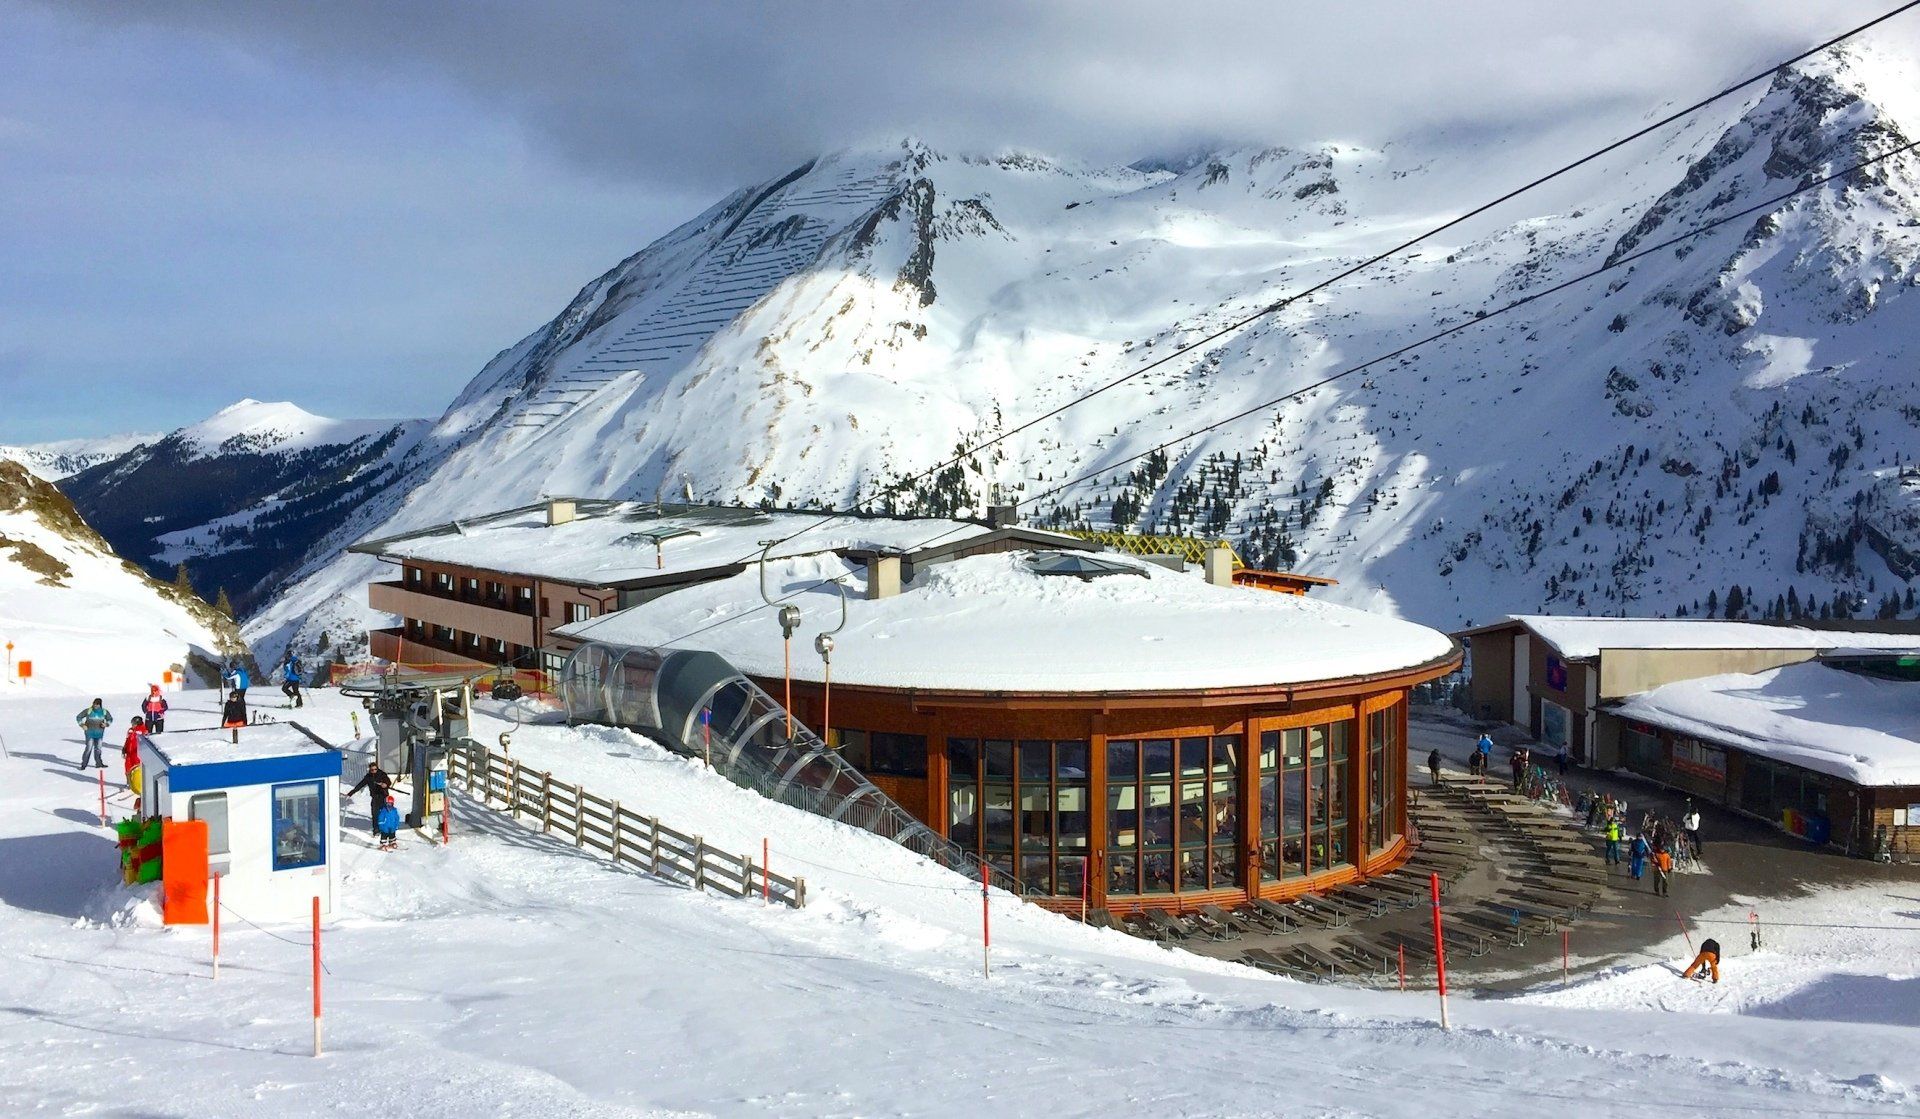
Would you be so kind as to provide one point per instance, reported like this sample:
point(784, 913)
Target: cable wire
point(1610, 265)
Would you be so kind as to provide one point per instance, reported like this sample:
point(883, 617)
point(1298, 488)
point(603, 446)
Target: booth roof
point(616, 544)
point(990, 623)
point(1581, 637)
point(1860, 728)
point(215, 747)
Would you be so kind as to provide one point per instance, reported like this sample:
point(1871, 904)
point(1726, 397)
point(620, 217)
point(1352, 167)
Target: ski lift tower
point(417, 721)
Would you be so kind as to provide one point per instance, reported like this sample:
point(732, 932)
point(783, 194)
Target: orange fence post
point(1440, 953)
point(986, 930)
point(216, 926)
point(316, 975)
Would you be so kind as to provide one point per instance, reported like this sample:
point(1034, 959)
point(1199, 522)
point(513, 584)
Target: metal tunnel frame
point(696, 703)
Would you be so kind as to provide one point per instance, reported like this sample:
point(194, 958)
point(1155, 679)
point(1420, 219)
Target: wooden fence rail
point(595, 823)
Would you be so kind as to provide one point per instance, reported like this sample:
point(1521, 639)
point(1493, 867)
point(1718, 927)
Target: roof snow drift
point(991, 623)
point(1579, 637)
point(1858, 728)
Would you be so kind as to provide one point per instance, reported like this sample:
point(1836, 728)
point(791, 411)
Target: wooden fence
point(628, 838)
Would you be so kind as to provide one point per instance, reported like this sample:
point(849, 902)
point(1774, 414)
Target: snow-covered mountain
point(85, 617)
point(242, 496)
point(1728, 411)
point(67, 457)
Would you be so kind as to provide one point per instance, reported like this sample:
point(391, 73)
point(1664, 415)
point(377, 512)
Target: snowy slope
point(66, 457)
point(1728, 409)
point(88, 620)
point(507, 974)
point(243, 495)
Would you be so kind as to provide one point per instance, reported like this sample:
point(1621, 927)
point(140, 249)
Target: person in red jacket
point(130, 749)
point(154, 707)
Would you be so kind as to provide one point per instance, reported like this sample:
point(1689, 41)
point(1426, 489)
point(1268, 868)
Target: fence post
point(513, 788)
point(616, 831)
point(546, 802)
point(579, 817)
point(653, 844)
point(799, 893)
point(699, 863)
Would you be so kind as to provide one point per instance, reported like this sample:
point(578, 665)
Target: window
point(299, 825)
point(1385, 760)
point(211, 807)
point(523, 599)
point(1023, 805)
point(578, 611)
point(884, 753)
point(442, 582)
point(443, 633)
point(1173, 814)
point(1303, 786)
point(495, 592)
point(412, 575)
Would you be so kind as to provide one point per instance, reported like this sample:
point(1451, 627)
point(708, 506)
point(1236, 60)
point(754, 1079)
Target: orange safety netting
point(531, 681)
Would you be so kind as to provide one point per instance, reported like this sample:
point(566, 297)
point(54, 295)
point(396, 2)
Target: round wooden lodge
point(1084, 723)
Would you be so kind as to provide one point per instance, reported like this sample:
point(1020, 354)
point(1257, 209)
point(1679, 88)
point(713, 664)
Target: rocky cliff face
point(1728, 411)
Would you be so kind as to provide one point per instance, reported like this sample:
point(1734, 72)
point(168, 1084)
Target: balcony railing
point(455, 613)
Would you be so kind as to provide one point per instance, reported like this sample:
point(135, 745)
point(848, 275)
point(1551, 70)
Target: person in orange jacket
point(1663, 872)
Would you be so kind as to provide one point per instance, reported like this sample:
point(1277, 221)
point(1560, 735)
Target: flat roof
point(613, 542)
point(989, 623)
point(1582, 637)
point(266, 752)
point(1859, 728)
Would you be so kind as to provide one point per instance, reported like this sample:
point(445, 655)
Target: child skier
point(154, 707)
point(93, 723)
point(389, 826)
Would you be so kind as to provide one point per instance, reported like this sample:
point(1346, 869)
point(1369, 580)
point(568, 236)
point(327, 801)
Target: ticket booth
point(271, 807)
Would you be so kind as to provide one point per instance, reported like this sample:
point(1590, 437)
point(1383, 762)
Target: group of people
point(95, 719)
point(233, 713)
point(1653, 844)
point(382, 813)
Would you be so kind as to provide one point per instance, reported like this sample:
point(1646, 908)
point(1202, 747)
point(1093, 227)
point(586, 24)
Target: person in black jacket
point(1433, 765)
point(377, 783)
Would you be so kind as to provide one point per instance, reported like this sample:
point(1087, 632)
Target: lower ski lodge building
point(1085, 720)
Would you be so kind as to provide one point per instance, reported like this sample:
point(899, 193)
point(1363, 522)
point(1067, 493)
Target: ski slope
point(508, 974)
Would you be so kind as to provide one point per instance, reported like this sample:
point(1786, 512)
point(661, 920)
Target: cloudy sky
point(354, 205)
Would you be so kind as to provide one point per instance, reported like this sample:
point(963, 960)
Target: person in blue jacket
point(94, 722)
point(389, 826)
point(290, 679)
point(238, 680)
point(1639, 851)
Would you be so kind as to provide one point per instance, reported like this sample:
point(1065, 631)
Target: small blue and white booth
point(269, 802)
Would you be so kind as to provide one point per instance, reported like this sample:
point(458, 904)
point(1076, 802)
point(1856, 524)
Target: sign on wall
point(1697, 759)
point(1556, 674)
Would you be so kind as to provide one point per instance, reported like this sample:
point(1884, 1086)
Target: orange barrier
point(183, 872)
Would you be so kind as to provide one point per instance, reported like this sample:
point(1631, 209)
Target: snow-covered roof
point(990, 623)
point(1861, 728)
point(216, 746)
point(614, 542)
point(1579, 637)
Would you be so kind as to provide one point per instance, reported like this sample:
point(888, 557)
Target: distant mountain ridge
point(1730, 411)
point(67, 457)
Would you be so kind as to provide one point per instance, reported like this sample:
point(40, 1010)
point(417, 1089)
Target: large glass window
point(883, 752)
point(1173, 814)
point(1303, 792)
point(1386, 762)
point(211, 807)
point(299, 819)
point(1023, 806)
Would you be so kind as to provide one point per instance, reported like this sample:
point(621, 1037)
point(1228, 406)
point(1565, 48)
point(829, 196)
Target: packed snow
point(1852, 726)
point(1581, 638)
point(990, 623)
point(509, 974)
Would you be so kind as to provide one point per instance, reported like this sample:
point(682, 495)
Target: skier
point(387, 823)
point(1433, 765)
point(154, 707)
point(233, 714)
point(237, 679)
point(378, 784)
point(1613, 841)
point(93, 723)
point(1484, 751)
point(1709, 958)
point(290, 680)
point(1518, 764)
point(1690, 823)
point(1637, 861)
point(1663, 872)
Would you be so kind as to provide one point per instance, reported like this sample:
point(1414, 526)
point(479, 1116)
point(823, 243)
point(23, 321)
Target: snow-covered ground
point(507, 974)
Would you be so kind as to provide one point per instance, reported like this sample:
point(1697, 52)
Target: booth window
point(299, 831)
point(211, 807)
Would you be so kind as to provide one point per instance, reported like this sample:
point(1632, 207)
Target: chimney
point(1219, 565)
point(1003, 516)
point(883, 577)
point(559, 511)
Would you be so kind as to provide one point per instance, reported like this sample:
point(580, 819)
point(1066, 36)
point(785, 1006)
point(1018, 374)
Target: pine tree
point(1713, 603)
point(1736, 601)
point(181, 580)
point(223, 603)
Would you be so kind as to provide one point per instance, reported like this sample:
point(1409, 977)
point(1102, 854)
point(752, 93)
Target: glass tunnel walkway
point(698, 704)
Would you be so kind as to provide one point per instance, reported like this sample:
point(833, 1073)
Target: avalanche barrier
point(696, 703)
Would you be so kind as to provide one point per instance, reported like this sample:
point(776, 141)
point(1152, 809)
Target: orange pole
point(1683, 929)
point(446, 810)
point(316, 975)
point(102, 774)
point(986, 930)
point(216, 926)
point(1083, 890)
point(1440, 952)
point(1403, 967)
